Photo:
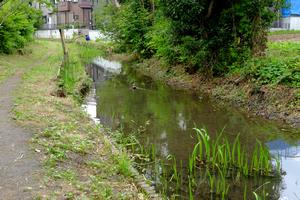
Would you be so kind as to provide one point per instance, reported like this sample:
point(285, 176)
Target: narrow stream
point(157, 114)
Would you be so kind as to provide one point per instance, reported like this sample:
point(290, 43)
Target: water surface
point(160, 115)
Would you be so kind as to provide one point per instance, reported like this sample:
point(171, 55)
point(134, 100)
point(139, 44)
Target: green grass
point(73, 79)
point(124, 165)
point(284, 32)
point(281, 65)
point(76, 156)
point(9, 64)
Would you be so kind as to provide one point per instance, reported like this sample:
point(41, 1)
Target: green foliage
point(124, 165)
point(17, 24)
point(129, 25)
point(280, 65)
point(218, 31)
point(221, 155)
point(72, 77)
point(104, 17)
point(284, 32)
point(159, 39)
point(208, 35)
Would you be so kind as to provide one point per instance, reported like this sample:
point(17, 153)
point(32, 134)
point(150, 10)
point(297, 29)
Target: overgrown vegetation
point(215, 38)
point(211, 37)
point(72, 78)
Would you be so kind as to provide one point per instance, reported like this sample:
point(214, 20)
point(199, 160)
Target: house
point(49, 14)
point(289, 18)
point(76, 13)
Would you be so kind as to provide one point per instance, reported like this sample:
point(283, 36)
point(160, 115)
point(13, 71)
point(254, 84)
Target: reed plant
point(234, 158)
point(218, 157)
point(218, 184)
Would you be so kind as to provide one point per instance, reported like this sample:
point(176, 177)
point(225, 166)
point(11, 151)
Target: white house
point(49, 16)
point(289, 18)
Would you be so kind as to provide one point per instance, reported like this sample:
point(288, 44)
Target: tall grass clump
point(72, 76)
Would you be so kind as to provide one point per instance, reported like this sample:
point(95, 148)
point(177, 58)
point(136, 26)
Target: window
point(75, 17)
point(45, 19)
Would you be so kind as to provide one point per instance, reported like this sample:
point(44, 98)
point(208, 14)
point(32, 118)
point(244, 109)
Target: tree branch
point(13, 11)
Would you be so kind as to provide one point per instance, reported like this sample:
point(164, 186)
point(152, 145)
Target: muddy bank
point(272, 102)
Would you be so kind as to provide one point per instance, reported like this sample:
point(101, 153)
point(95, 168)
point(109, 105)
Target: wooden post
point(63, 43)
point(65, 51)
point(61, 89)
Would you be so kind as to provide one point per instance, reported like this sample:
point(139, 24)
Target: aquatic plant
point(191, 195)
point(216, 159)
point(218, 184)
point(264, 194)
point(245, 192)
point(232, 158)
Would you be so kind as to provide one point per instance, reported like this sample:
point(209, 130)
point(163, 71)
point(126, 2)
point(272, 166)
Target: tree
point(207, 35)
point(223, 31)
point(18, 21)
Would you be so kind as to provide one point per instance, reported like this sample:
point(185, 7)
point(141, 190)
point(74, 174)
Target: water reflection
point(290, 159)
point(167, 118)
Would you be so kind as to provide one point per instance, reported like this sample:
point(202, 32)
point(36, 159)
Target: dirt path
point(19, 166)
point(17, 163)
point(284, 37)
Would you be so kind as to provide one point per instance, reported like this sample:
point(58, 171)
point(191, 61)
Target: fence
point(69, 33)
point(67, 26)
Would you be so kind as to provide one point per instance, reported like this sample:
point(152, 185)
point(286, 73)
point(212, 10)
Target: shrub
point(128, 25)
point(279, 66)
point(17, 29)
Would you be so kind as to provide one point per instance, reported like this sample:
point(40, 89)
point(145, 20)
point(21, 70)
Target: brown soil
point(284, 37)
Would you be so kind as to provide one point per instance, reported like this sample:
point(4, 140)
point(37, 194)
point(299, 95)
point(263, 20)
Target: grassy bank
point(78, 160)
point(21, 60)
point(73, 79)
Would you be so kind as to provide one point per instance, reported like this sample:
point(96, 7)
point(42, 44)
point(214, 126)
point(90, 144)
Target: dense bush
point(18, 23)
point(127, 25)
point(220, 32)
